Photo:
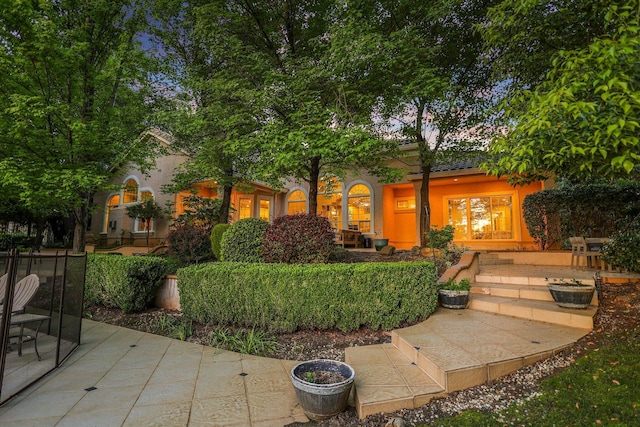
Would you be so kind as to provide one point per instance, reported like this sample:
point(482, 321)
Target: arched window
point(112, 203)
point(330, 201)
point(359, 205)
point(297, 202)
point(146, 195)
point(130, 194)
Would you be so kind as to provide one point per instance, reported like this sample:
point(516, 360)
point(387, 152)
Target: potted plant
point(454, 294)
point(571, 293)
point(322, 387)
point(380, 243)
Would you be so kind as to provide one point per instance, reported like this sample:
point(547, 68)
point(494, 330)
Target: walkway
point(122, 377)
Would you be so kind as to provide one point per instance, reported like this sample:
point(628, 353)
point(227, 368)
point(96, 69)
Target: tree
point(582, 121)
point(423, 64)
point(212, 109)
point(269, 86)
point(73, 98)
point(146, 212)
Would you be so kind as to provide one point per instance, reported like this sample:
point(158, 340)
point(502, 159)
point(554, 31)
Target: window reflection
point(481, 218)
point(359, 203)
point(330, 201)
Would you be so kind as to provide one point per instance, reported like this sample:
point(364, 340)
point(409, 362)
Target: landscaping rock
point(396, 422)
point(388, 250)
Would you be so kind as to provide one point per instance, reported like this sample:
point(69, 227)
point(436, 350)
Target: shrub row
point(285, 298)
point(129, 283)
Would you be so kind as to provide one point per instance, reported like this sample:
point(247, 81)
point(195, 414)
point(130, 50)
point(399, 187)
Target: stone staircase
point(457, 349)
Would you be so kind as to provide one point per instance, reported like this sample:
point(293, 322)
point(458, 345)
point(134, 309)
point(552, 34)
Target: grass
point(601, 388)
point(242, 341)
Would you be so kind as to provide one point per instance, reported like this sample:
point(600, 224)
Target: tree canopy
point(582, 120)
point(423, 66)
point(73, 98)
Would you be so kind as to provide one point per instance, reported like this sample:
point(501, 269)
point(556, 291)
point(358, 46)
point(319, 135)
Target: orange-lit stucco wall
point(401, 227)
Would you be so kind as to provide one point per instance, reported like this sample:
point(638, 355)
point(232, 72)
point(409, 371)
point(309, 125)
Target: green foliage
point(298, 239)
point(591, 209)
point(453, 285)
point(242, 242)
point(146, 211)
point(582, 121)
point(189, 243)
point(624, 248)
point(73, 101)
point(200, 212)
point(216, 239)
point(441, 238)
point(250, 341)
point(282, 298)
point(129, 283)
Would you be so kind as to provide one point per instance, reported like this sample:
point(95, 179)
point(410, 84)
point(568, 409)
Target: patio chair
point(23, 293)
point(580, 250)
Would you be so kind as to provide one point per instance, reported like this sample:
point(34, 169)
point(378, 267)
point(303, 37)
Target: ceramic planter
point(322, 401)
point(571, 295)
point(453, 299)
point(380, 243)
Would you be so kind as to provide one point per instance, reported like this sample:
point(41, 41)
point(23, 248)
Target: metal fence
point(37, 337)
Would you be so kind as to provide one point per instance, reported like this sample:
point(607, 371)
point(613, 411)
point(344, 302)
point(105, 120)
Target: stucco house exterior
point(485, 210)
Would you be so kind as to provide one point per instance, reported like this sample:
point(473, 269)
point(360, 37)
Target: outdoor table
point(26, 318)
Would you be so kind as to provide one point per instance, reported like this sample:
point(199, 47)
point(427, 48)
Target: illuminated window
point(359, 204)
point(481, 218)
point(297, 203)
point(146, 195)
point(130, 191)
point(265, 210)
point(245, 208)
point(330, 201)
point(112, 203)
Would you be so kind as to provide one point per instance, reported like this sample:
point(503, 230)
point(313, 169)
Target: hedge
point(129, 283)
point(286, 298)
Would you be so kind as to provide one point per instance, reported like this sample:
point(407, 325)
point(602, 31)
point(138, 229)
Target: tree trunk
point(226, 204)
point(81, 217)
point(314, 176)
point(425, 207)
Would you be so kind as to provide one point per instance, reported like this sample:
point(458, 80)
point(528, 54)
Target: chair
point(580, 250)
point(23, 293)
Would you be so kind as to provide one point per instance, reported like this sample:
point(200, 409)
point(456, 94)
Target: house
point(485, 210)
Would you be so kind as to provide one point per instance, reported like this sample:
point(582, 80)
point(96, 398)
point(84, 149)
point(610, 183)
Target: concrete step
point(540, 311)
point(451, 350)
point(493, 259)
point(387, 381)
point(537, 293)
point(506, 278)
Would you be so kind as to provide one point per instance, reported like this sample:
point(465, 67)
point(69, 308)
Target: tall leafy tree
point(72, 100)
point(271, 87)
point(581, 121)
point(212, 109)
point(424, 64)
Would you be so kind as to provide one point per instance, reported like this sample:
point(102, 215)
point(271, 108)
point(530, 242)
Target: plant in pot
point(322, 387)
point(454, 294)
point(571, 293)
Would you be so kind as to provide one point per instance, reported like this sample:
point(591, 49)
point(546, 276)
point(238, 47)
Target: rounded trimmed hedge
point(242, 242)
point(286, 298)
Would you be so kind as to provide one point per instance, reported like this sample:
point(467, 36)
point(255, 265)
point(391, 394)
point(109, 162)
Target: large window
point(359, 205)
point(265, 209)
point(112, 203)
point(130, 191)
point(481, 218)
point(297, 203)
point(245, 208)
point(330, 201)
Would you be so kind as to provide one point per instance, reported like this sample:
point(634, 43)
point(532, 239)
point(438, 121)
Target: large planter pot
point(380, 243)
point(571, 295)
point(322, 401)
point(453, 299)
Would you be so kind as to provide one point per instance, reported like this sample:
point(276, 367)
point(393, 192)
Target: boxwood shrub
point(243, 240)
point(298, 239)
point(286, 298)
point(129, 283)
